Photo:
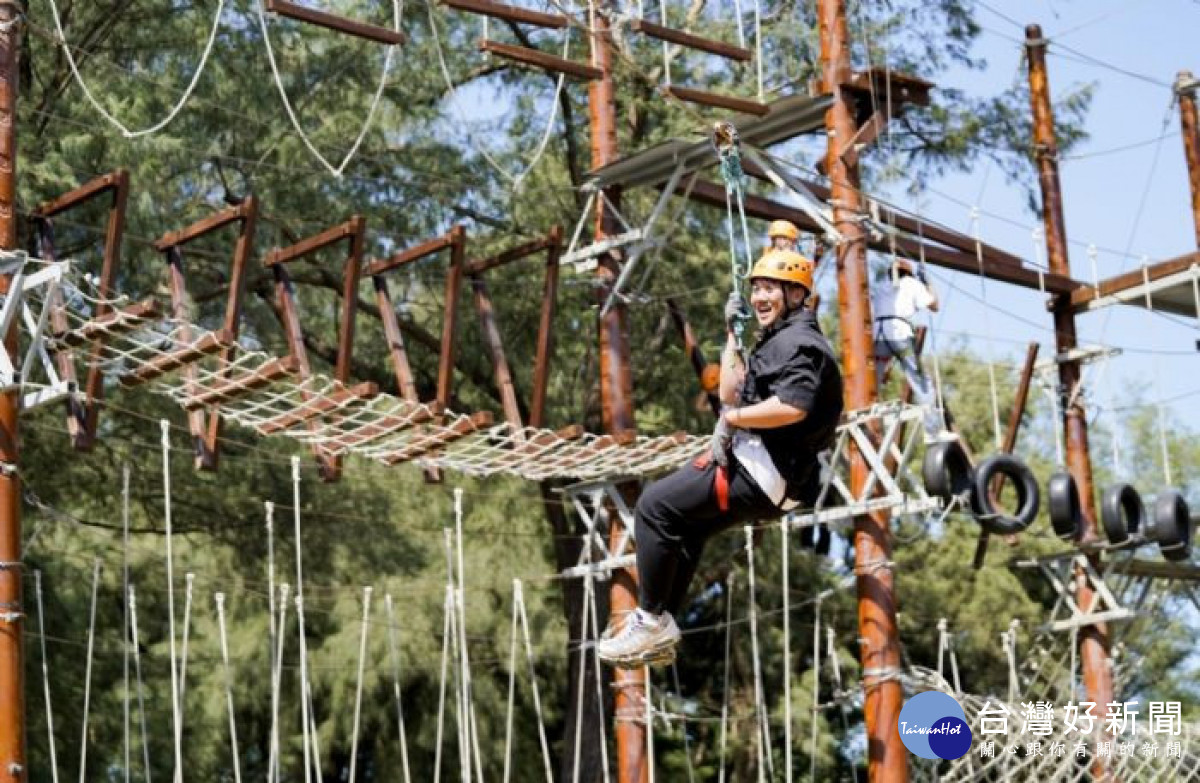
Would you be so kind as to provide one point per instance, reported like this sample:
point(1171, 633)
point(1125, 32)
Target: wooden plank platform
point(371, 32)
point(382, 427)
point(179, 358)
point(112, 323)
point(691, 41)
point(509, 13)
point(317, 407)
point(241, 385)
point(540, 59)
point(1169, 284)
point(424, 445)
point(718, 101)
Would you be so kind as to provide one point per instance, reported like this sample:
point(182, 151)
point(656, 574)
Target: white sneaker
point(645, 640)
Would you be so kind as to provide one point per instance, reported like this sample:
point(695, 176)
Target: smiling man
point(781, 408)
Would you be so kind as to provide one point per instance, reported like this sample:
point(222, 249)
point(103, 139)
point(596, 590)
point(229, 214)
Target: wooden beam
point(430, 442)
point(409, 255)
point(1123, 282)
point(540, 59)
point(691, 41)
point(501, 371)
point(83, 193)
point(241, 385)
point(341, 24)
point(114, 322)
point(717, 101)
point(383, 426)
point(545, 334)
point(310, 245)
point(317, 407)
point(902, 87)
point(509, 13)
point(449, 343)
point(481, 265)
point(180, 357)
point(204, 226)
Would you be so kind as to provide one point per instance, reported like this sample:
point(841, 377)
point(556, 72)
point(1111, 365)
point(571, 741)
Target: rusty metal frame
point(206, 430)
point(353, 232)
point(83, 414)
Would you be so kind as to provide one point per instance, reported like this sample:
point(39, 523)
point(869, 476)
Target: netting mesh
point(180, 360)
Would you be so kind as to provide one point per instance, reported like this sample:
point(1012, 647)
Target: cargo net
point(1030, 740)
point(204, 371)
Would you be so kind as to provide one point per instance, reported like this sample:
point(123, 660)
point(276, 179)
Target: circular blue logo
point(933, 725)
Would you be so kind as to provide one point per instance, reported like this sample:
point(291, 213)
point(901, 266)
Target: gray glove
point(736, 309)
point(722, 442)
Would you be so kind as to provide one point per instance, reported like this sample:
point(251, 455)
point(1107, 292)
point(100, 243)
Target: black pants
point(676, 516)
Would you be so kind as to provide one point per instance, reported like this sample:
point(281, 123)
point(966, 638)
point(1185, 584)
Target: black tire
point(946, 470)
point(1066, 511)
point(1029, 496)
point(1173, 525)
point(1121, 513)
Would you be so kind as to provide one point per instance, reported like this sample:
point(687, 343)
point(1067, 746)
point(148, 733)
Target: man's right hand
point(721, 442)
point(736, 309)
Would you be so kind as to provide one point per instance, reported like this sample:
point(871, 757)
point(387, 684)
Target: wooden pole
point(878, 634)
point(1186, 86)
point(12, 705)
point(1093, 639)
point(616, 393)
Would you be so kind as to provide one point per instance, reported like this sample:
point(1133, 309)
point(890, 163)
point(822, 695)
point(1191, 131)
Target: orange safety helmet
point(783, 229)
point(785, 266)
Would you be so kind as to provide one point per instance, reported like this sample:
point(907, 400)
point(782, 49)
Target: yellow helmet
point(784, 266)
point(784, 229)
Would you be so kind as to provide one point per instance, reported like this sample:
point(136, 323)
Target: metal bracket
point(592, 501)
point(1059, 571)
point(32, 297)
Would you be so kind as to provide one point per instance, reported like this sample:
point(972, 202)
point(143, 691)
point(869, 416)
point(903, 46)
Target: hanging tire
point(1029, 497)
point(946, 470)
point(1121, 513)
point(1173, 525)
point(1066, 511)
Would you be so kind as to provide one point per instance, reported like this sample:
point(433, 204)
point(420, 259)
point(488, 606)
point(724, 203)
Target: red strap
point(721, 486)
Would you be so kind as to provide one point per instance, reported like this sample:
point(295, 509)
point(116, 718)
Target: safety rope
point(87, 676)
point(219, 598)
point(649, 698)
point(177, 720)
point(519, 599)
point(991, 366)
point(687, 741)
point(137, 670)
point(597, 671)
point(1162, 429)
point(787, 653)
point(274, 762)
point(304, 705)
point(468, 691)
point(725, 141)
point(125, 734)
point(358, 688)
point(729, 582)
point(394, 650)
point(763, 745)
point(37, 582)
point(447, 613)
point(272, 630)
point(816, 697)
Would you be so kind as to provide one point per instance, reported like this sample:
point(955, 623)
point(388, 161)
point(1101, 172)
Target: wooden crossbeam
point(509, 13)
point(205, 225)
point(717, 101)
point(884, 82)
point(540, 59)
point(180, 357)
point(111, 323)
point(85, 192)
point(408, 255)
point(317, 407)
point(1123, 282)
point(310, 245)
point(481, 265)
point(690, 40)
point(240, 385)
point(341, 24)
point(433, 441)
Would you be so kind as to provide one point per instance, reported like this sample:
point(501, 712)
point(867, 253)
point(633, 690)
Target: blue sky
point(1103, 193)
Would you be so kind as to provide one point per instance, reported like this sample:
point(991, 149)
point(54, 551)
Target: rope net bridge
point(207, 371)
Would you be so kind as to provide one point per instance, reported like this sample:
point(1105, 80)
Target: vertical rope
point(666, 49)
point(273, 763)
point(137, 669)
point(362, 657)
point(741, 25)
point(233, 740)
point(190, 580)
point(512, 690)
point(519, 596)
point(468, 700)
point(37, 582)
point(687, 743)
point(447, 613)
point(816, 708)
point(460, 702)
point(124, 624)
point(758, 50)
point(582, 678)
point(787, 653)
point(764, 736)
point(595, 615)
point(304, 714)
point(87, 677)
point(395, 653)
point(729, 580)
point(270, 509)
point(164, 425)
point(1162, 429)
point(1010, 637)
point(991, 365)
point(649, 694)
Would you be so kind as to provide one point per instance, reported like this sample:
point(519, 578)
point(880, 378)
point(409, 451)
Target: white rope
point(233, 741)
point(741, 25)
point(938, 391)
point(395, 653)
point(178, 107)
point(124, 621)
point(763, 732)
point(87, 677)
point(461, 715)
point(304, 720)
point(272, 630)
point(274, 763)
point(1054, 392)
point(758, 50)
point(649, 722)
point(787, 656)
point(468, 697)
point(37, 582)
point(991, 365)
point(512, 690)
point(519, 598)
point(291, 112)
point(581, 680)
point(666, 49)
point(1162, 429)
point(596, 670)
point(190, 580)
point(447, 613)
point(137, 669)
point(816, 705)
point(725, 685)
point(176, 718)
point(362, 657)
point(452, 91)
